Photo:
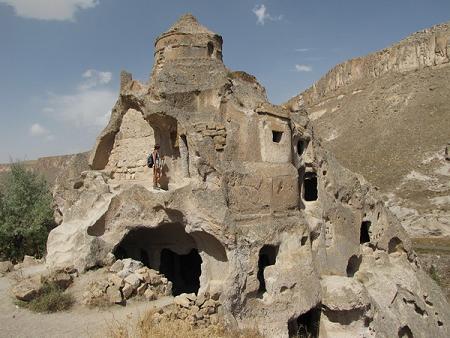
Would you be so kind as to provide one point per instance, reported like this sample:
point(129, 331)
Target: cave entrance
point(310, 186)
point(267, 256)
point(306, 325)
point(167, 249)
point(182, 270)
point(364, 236)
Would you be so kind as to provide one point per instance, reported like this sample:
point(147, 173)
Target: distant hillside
point(50, 167)
point(387, 116)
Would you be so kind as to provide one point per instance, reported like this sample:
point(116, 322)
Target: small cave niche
point(405, 332)
point(184, 155)
point(210, 47)
point(306, 325)
point(310, 192)
point(395, 245)
point(167, 249)
point(267, 256)
point(364, 235)
point(353, 265)
point(301, 145)
point(276, 136)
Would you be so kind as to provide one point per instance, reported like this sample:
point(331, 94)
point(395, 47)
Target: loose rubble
point(199, 311)
point(127, 278)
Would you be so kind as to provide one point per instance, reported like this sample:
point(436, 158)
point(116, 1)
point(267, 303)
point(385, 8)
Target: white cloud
point(60, 10)
point(37, 130)
point(302, 50)
point(262, 15)
point(94, 78)
point(303, 68)
point(89, 105)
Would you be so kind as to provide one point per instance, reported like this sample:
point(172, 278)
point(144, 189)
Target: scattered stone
point(114, 294)
point(182, 300)
point(127, 290)
point(191, 296)
point(133, 280)
point(131, 264)
point(201, 298)
point(149, 294)
point(141, 289)
point(117, 266)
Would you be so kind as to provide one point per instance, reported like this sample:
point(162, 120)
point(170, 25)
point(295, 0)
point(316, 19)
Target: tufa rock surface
point(254, 215)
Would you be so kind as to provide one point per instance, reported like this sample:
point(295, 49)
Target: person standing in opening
point(157, 167)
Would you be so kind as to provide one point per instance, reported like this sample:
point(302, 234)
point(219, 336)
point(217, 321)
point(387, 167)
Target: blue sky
point(60, 59)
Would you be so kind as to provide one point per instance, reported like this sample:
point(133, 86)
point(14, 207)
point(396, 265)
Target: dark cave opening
point(276, 136)
point(364, 236)
point(267, 256)
point(310, 186)
point(182, 270)
point(405, 332)
point(306, 325)
point(300, 147)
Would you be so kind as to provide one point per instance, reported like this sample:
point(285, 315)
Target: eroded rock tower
point(253, 208)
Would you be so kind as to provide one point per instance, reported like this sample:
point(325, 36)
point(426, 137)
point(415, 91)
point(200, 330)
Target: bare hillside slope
point(387, 116)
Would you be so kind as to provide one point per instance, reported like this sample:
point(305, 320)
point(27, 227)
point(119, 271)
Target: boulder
point(127, 290)
point(182, 300)
point(6, 266)
point(133, 280)
point(115, 280)
point(27, 289)
point(191, 296)
point(116, 266)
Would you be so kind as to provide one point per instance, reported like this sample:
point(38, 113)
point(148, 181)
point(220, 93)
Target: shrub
point(26, 214)
point(51, 298)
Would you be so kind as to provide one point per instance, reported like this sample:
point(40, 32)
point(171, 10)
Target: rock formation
point(254, 210)
point(386, 116)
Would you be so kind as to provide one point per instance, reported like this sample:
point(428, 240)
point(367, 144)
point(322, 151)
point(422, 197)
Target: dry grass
point(146, 327)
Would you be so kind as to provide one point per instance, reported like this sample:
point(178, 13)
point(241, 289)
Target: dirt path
point(78, 322)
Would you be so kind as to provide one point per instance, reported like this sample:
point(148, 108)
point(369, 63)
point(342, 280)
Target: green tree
point(26, 214)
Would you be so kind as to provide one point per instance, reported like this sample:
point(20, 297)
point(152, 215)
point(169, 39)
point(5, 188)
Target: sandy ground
point(80, 321)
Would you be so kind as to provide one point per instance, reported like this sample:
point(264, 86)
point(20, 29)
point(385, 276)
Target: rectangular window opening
point(276, 136)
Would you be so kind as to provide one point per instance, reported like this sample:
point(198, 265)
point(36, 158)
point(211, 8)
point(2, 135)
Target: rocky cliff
point(387, 117)
point(51, 167)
